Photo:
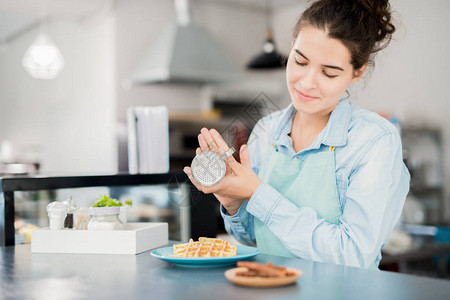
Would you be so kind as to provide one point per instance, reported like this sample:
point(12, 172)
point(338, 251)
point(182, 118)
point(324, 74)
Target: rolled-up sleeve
point(240, 225)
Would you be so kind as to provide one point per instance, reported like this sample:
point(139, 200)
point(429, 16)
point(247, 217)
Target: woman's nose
point(309, 80)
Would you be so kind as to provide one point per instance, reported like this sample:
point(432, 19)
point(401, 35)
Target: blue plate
point(243, 253)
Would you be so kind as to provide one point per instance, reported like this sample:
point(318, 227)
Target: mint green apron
point(306, 183)
point(310, 182)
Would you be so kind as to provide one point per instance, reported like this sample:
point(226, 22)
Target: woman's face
point(318, 72)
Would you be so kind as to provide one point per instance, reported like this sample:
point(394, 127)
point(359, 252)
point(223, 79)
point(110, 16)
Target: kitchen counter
point(26, 275)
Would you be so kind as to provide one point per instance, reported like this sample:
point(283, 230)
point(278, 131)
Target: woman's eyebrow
point(298, 52)
point(326, 66)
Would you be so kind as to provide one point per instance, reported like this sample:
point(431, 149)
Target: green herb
point(105, 201)
point(129, 202)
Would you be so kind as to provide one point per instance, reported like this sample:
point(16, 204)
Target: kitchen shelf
point(202, 211)
point(423, 154)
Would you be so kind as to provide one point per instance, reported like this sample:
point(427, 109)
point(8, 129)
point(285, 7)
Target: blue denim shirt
point(371, 178)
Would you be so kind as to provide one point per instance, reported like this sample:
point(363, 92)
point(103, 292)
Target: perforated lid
point(57, 206)
point(208, 168)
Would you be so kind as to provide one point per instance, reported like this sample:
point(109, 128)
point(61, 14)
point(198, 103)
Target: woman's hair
point(363, 26)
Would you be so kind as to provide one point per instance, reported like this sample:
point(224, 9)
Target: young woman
point(323, 179)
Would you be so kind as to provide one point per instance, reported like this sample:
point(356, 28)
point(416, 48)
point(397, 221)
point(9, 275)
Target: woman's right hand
point(232, 205)
point(227, 196)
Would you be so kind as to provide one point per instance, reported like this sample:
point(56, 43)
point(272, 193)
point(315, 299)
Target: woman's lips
point(304, 97)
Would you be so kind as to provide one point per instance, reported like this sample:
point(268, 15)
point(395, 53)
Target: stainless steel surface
point(68, 276)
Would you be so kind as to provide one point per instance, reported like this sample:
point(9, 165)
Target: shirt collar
point(280, 135)
point(334, 133)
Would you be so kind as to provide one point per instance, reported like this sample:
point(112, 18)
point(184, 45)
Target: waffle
point(205, 247)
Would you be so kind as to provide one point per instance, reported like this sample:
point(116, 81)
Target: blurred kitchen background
point(76, 122)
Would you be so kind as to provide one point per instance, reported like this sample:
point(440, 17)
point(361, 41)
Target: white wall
point(68, 121)
point(411, 76)
point(71, 121)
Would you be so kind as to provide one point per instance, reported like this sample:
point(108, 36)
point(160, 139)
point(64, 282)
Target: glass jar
point(104, 218)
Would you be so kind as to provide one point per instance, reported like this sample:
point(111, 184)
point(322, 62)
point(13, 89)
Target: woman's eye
point(300, 63)
point(328, 75)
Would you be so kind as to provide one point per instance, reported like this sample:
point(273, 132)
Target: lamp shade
point(269, 58)
point(43, 60)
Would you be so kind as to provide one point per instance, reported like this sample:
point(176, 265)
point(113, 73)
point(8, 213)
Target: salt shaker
point(57, 212)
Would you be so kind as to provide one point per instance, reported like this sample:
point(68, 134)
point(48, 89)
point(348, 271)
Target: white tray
point(135, 238)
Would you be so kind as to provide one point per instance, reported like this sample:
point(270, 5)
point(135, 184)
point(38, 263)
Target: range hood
point(184, 53)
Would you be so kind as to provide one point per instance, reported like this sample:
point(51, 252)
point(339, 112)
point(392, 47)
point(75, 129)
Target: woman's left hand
point(240, 182)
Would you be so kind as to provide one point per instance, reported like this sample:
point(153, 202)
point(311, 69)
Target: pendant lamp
point(269, 58)
point(43, 60)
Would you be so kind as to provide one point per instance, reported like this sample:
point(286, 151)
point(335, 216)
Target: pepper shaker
point(72, 207)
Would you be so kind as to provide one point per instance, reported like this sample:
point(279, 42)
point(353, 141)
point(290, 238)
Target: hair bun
point(363, 26)
point(381, 12)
